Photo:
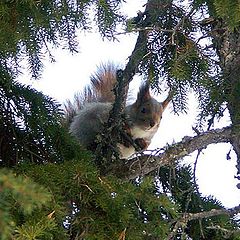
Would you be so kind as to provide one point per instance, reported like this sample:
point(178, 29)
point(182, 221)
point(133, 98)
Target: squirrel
point(142, 117)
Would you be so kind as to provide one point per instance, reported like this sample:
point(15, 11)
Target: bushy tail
point(99, 90)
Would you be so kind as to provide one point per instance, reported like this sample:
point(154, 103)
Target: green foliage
point(202, 4)
point(229, 10)
point(43, 229)
point(173, 58)
point(29, 28)
point(30, 127)
point(188, 70)
point(107, 208)
point(107, 16)
point(179, 53)
point(106, 205)
point(24, 206)
point(220, 25)
point(179, 182)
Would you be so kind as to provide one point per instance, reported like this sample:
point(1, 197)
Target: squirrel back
point(142, 117)
point(89, 122)
point(99, 90)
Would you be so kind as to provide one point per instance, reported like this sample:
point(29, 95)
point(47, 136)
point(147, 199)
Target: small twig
point(195, 168)
point(145, 29)
point(85, 185)
point(196, 161)
point(36, 155)
point(180, 23)
point(227, 233)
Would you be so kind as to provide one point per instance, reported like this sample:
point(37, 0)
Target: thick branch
point(227, 46)
point(212, 213)
point(144, 164)
point(106, 150)
point(187, 217)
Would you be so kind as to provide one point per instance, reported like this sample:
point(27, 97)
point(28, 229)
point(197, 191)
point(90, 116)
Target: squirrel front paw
point(141, 143)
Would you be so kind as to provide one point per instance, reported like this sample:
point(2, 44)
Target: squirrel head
point(146, 112)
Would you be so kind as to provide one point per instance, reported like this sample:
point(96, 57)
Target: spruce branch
point(145, 164)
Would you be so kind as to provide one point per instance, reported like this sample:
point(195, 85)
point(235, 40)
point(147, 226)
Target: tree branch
point(145, 164)
point(212, 213)
point(187, 217)
point(105, 150)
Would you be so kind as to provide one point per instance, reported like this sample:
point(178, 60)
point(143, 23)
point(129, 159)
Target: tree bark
point(106, 149)
point(227, 44)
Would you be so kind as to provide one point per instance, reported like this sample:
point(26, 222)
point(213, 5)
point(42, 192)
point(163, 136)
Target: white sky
point(70, 73)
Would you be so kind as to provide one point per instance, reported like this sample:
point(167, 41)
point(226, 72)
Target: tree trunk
point(227, 44)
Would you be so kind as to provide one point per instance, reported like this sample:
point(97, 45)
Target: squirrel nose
point(152, 123)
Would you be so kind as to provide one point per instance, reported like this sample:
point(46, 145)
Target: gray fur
point(89, 122)
point(143, 116)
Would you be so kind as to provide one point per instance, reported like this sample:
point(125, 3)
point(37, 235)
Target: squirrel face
point(145, 114)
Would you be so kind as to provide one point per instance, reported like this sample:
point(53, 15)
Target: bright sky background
point(69, 74)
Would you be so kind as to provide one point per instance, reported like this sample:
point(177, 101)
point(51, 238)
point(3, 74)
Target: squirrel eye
point(143, 110)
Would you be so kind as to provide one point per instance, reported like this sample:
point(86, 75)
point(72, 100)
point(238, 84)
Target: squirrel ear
point(167, 100)
point(144, 93)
